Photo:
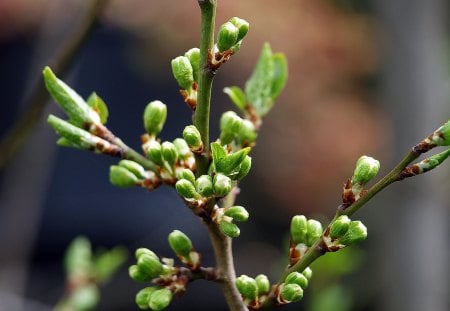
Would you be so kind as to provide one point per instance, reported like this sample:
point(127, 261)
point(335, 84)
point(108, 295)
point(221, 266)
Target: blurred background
point(365, 77)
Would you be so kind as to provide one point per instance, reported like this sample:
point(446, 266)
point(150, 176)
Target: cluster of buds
point(185, 70)
point(365, 170)
point(344, 232)
point(226, 217)
point(291, 290)
point(253, 290)
point(304, 233)
point(235, 129)
point(168, 279)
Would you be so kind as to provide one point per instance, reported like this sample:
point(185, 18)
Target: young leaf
point(280, 74)
point(99, 106)
point(237, 96)
point(218, 153)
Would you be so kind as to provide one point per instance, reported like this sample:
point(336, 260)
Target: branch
point(20, 130)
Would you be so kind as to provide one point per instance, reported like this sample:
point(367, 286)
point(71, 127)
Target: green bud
point(204, 185)
point(357, 232)
point(193, 138)
point(227, 36)
point(307, 273)
point(292, 292)
point(98, 105)
point(242, 25)
point(183, 72)
point(298, 229)
point(263, 284)
point(155, 115)
point(238, 213)
point(230, 125)
point(149, 265)
point(160, 299)
point(314, 231)
point(135, 168)
point(194, 58)
point(247, 133)
point(366, 169)
point(244, 169)
point(186, 189)
point(339, 227)
point(432, 162)
point(229, 229)
point(182, 148)
point(297, 278)
point(441, 136)
point(247, 286)
point(180, 243)
point(154, 152)
point(222, 185)
point(143, 297)
point(145, 251)
point(73, 104)
point(121, 177)
point(232, 161)
point(137, 275)
point(187, 174)
point(169, 152)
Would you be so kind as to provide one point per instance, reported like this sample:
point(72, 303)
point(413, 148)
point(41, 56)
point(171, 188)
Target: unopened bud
point(155, 115)
point(441, 136)
point(238, 213)
point(135, 168)
point(204, 185)
point(194, 58)
point(137, 275)
point(227, 36)
point(180, 243)
point(193, 138)
point(247, 133)
point(432, 162)
point(263, 284)
point(160, 299)
point(182, 148)
point(314, 231)
point(366, 169)
point(247, 286)
point(339, 227)
point(144, 251)
point(143, 297)
point(244, 169)
point(187, 174)
point(356, 232)
point(307, 273)
point(169, 152)
point(229, 229)
point(183, 72)
point(297, 278)
point(186, 189)
point(222, 185)
point(242, 25)
point(121, 177)
point(230, 125)
point(298, 229)
point(154, 152)
point(292, 292)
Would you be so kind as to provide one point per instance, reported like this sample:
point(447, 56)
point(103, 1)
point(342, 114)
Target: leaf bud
point(339, 227)
point(222, 185)
point(297, 278)
point(149, 265)
point(230, 124)
point(155, 115)
point(143, 297)
point(204, 185)
point(229, 229)
point(187, 174)
point(308, 273)
point(298, 229)
point(227, 36)
point(193, 138)
point(238, 213)
point(98, 105)
point(263, 284)
point(169, 152)
point(366, 169)
point(314, 231)
point(356, 232)
point(244, 169)
point(432, 161)
point(134, 167)
point(182, 148)
point(183, 72)
point(121, 177)
point(242, 25)
point(186, 189)
point(194, 58)
point(292, 292)
point(247, 286)
point(441, 136)
point(154, 152)
point(180, 243)
point(247, 133)
point(160, 299)
point(137, 275)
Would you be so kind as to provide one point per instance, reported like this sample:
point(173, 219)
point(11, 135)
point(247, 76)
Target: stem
point(205, 79)
point(131, 154)
point(17, 134)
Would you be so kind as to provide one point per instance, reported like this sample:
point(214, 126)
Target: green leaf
point(107, 262)
point(232, 161)
point(237, 96)
point(99, 106)
point(218, 153)
point(280, 74)
point(259, 87)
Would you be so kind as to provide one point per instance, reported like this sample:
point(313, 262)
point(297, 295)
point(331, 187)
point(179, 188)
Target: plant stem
point(205, 79)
